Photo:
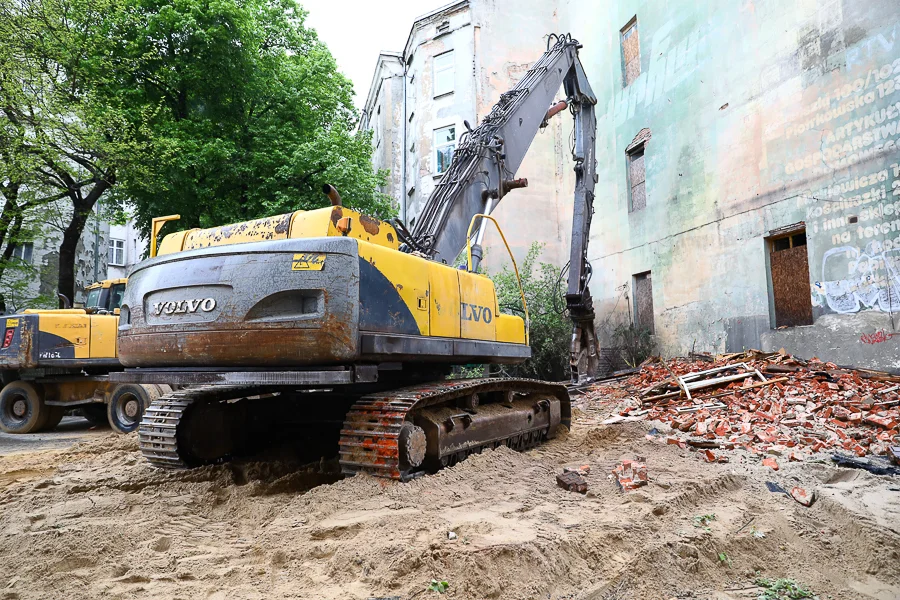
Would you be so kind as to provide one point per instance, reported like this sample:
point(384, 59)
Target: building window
point(444, 146)
point(444, 74)
point(643, 302)
point(631, 51)
point(23, 251)
point(117, 252)
point(789, 267)
point(637, 178)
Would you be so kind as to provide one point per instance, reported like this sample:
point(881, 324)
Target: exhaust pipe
point(330, 191)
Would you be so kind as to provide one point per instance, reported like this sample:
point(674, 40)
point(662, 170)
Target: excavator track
point(397, 434)
point(159, 438)
point(382, 434)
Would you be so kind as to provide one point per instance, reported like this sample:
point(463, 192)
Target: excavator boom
point(484, 168)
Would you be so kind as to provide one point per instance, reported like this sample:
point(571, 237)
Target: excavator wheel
point(95, 413)
point(54, 416)
point(22, 408)
point(127, 404)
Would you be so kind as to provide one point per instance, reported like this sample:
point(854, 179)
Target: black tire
point(22, 408)
point(127, 405)
point(95, 413)
point(54, 416)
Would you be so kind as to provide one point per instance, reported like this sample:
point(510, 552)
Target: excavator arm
point(483, 172)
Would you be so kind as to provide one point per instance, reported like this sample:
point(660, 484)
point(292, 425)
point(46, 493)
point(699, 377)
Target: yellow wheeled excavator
point(330, 326)
point(55, 360)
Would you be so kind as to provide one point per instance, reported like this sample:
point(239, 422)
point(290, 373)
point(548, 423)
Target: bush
point(634, 343)
point(551, 330)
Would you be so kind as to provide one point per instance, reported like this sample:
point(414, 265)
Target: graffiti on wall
point(879, 337)
point(853, 280)
point(848, 130)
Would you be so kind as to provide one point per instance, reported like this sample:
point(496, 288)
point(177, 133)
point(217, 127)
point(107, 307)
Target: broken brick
point(771, 463)
point(580, 469)
point(885, 422)
point(802, 496)
point(572, 482)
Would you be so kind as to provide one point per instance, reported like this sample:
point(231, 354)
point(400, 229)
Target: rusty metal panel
point(790, 287)
point(643, 301)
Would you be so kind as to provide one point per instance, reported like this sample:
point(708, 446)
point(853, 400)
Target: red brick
point(802, 496)
point(885, 422)
point(771, 463)
point(709, 455)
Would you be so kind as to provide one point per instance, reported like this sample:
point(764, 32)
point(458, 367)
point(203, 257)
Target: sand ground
point(83, 516)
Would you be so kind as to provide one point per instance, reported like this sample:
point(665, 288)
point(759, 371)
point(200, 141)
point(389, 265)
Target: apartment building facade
point(747, 161)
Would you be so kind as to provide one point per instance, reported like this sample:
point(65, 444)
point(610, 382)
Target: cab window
point(115, 296)
point(93, 298)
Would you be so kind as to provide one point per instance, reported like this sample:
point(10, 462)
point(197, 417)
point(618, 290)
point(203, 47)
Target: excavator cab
point(105, 296)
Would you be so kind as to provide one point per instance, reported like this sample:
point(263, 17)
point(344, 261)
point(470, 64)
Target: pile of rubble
point(769, 403)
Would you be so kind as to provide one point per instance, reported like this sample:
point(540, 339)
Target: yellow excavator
point(332, 327)
point(55, 360)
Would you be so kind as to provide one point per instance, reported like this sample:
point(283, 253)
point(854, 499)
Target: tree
point(220, 111)
point(258, 138)
point(551, 330)
point(62, 144)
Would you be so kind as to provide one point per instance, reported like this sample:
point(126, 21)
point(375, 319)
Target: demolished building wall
point(772, 129)
point(747, 171)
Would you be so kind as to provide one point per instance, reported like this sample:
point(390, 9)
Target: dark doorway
point(643, 301)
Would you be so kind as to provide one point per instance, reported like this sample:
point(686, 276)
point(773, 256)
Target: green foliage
point(240, 109)
point(635, 343)
point(703, 521)
point(551, 330)
point(440, 587)
point(782, 589)
point(725, 559)
point(220, 111)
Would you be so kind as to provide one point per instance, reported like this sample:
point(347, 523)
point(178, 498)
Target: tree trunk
point(69, 248)
point(82, 208)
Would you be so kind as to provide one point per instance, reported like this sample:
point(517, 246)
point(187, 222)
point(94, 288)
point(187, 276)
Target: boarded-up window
point(643, 301)
point(636, 178)
point(631, 51)
point(790, 280)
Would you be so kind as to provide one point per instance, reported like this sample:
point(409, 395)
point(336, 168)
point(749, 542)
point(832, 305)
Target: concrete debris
point(451, 535)
point(807, 407)
point(572, 482)
point(802, 496)
point(630, 475)
point(580, 469)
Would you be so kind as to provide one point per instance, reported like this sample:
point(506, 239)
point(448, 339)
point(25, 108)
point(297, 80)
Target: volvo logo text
point(181, 307)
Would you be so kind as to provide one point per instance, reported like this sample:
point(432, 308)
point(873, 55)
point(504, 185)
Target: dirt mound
point(97, 521)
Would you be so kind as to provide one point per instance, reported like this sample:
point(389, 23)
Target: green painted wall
point(763, 114)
